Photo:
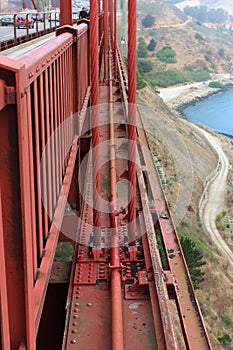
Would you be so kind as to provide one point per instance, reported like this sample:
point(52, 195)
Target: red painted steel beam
point(5, 327)
point(46, 264)
point(110, 6)
point(116, 288)
point(18, 281)
point(132, 28)
point(105, 8)
point(65, 12)
point(115, 39)
point(94, 53)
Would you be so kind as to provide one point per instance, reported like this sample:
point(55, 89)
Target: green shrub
point(142, 49)
point(145, 66)
point(148, 21)
point(194, 260)
point(188, 68)
point(208, 58)
point(173, 77)
point(216, 84)
point(199, 36)
point(221, 52)
point(141, 83)
point(228, 320)
point(167, 55)
point(225, 341)
point(151, 45)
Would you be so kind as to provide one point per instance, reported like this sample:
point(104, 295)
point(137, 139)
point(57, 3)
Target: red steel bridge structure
point(68, 108)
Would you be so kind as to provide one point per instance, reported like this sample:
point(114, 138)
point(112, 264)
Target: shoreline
point(179, 97)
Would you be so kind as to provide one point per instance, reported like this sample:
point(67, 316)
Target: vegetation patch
point(148, 21)
point(173, 77)
point(194, 260)
point(167, 55)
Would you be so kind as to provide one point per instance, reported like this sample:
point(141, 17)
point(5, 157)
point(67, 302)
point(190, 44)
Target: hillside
point(165, 131)
point(195, 45)
point(192, 42)
point(226, 5)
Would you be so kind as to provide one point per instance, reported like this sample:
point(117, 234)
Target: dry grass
point(215, 296)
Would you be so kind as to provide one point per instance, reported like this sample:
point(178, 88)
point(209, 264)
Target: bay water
point(215, 112)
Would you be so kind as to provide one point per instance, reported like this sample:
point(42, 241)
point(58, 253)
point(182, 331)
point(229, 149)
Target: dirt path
point(214, 198)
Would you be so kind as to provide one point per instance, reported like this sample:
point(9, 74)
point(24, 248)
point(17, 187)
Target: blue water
point(216, 112)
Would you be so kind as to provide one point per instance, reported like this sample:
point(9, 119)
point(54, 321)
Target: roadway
point(214, 201)
point(7, 32)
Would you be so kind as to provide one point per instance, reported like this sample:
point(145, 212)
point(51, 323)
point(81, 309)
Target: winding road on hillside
point(214, 198)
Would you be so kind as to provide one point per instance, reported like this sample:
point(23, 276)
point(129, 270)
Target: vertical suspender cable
point(114, 41)
point(65, 12)
point(105, 7)
point(132, 13)
point(111, 18)
point(94, 48)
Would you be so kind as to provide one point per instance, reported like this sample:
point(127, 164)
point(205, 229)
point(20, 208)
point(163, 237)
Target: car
point(39, 17)
point(7, 20)
point(24, 20)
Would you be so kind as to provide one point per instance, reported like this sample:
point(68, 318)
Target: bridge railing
point(17, 37)
point(40, 92)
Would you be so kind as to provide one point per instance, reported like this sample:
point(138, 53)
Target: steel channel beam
point(164, 327)
point(194, 330)
point(116, 288)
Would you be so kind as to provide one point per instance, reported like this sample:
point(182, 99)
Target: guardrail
point(40, 91)
point(51, 20)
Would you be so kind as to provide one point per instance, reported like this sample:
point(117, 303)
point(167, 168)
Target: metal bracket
point(7, 94)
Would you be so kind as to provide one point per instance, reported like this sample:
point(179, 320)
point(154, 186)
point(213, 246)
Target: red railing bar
point(48, 148)
point(37, 161)
point(51, 141)
point(57, 63)
point(43, 169)
point(41, 57)
point(56, 128)
point(31, 183)
point(51, 244)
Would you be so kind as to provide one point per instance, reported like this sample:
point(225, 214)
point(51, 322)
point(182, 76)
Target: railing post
point(16, 210)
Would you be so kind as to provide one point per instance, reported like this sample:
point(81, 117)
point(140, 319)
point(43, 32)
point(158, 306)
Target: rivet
point(75, 323)
point(74, 331)
point(89, 304)
point(73, 341)
point(75, 316)
point(37, 69)
point(76, 310)
point(77, 304)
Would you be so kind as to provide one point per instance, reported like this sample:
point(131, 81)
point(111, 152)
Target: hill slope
point(227, 5)
point(195, 45)
point(215, 294)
